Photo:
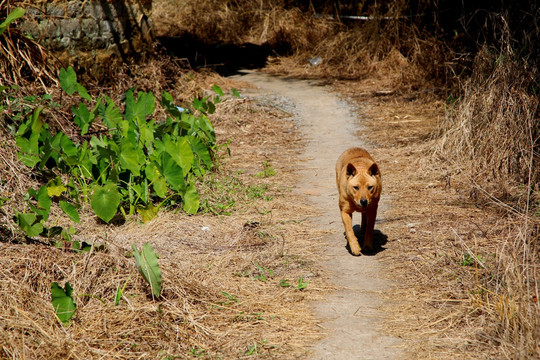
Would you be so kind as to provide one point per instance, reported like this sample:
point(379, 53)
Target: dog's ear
point(374, 170)
point(351, 170)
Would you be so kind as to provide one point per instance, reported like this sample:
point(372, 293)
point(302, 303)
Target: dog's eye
point(355, 188)
point(370, 188)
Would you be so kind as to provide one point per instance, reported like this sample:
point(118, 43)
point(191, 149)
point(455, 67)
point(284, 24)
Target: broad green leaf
point(52, 231)
point(191, 200)
point(125, 127)
point(12, 16)
point(70, 211)
point(218, 90)
point(30, 224)
point(145, 104)
point(167, 102)
point(172, 171)
point(83, 118)
point(105, 201)
point(68, 146)
point(146, 132)
point(111, 114)
point(157, 180)
point(37, 124)
point(199, 104)
point(149, 212)
point(151, 171)
point(181, 153)
point(43, 198)
point(160, 186)
point(62, 302)
point(147, 264)
point(129, 157)
point(28, 138)
point(82, 92)
point(87, 159)
point(138, 191)
point(55, 187)
point(211, 107)
point(129, 112)
point(201, 152)
point(40, 212)
point(203, 124)
point(27, 159)
point(46, 151)
point(68, 80)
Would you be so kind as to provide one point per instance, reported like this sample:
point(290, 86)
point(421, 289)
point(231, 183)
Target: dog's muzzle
point(363, 203)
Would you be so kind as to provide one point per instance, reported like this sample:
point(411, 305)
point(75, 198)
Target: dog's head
point(364, 182)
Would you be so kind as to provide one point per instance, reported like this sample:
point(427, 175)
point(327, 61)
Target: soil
point(352, 316)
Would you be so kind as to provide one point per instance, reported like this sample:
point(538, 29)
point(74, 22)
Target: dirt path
point(351, 316)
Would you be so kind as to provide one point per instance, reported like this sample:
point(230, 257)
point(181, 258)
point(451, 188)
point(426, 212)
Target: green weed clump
point(126, 162)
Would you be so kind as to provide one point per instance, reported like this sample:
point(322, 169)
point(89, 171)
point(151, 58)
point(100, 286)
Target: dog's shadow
point(379, 239)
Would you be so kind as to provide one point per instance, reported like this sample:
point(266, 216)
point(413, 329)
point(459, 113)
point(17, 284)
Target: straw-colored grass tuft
point(495, 127)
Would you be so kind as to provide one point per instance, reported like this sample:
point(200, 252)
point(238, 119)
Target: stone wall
point(120, 26)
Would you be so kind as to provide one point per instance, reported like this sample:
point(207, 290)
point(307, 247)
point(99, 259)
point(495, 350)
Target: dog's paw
point(355, 250)
point(368, 249)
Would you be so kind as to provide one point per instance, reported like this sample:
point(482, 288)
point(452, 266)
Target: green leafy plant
point(267, 171)
point(284, 283)
point(62, 302)
point(301, 283)
point(263, 273)
point(39, 203)
point(120, 292)
point(252, 350)
point(256, 348)
point(197, 352)
point(470, 260)
point(230, 297)
point(136, 163)
point(12, 16)
point(147, 264)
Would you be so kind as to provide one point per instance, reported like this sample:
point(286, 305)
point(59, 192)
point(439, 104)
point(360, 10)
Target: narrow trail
point(351, 316)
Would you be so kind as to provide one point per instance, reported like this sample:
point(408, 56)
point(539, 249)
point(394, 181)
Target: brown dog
point(359, 184)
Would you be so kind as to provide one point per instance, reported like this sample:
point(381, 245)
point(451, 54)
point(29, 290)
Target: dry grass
point(491, 142)
point(23, 60)
point(215, 303)
point(377, 47)
point(495, 126)
point(468, 276)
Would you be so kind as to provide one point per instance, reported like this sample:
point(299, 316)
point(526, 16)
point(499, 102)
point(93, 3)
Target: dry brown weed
point(225, 278)
point(468, 274)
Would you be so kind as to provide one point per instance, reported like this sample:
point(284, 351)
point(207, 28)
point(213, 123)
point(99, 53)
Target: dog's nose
point(363, 202)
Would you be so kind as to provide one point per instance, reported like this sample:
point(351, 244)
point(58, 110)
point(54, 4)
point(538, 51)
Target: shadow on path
point(379, 239)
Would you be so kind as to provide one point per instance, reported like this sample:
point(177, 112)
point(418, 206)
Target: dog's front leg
point(363, 224)
point(370, 226)
point(349, 233)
